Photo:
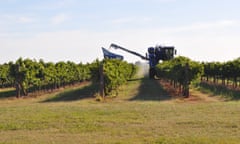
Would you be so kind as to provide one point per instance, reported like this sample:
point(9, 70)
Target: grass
point(220, 90)
point(7, 92)
point(140, 114)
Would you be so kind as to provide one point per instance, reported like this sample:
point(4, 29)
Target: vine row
point(116, 73)
point(180, 71)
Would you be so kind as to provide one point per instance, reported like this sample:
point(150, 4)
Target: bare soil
point(195, 95)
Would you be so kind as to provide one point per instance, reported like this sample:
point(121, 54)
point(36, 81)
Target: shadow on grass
point(7, 93)
point(151, 90)
point(229, 94)
point(75, 94)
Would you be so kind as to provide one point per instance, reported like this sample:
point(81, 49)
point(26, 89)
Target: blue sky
point(75, 30)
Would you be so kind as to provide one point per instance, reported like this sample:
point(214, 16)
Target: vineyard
point(180, 71)
point(28, 75)
point(134, 109)
point(116, 73)
point(33, 76)
point(219, 78)
point(227, 73)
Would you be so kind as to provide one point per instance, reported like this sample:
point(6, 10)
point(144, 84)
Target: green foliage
point(226, 71)
point(175, 70)
point(30, 75)
point(5, 79)
point(116, 73)
point(94, 69)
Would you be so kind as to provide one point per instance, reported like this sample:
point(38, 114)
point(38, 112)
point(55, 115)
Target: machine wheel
point(152, 73)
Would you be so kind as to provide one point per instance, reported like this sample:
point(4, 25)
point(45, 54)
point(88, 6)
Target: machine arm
point(129, 51)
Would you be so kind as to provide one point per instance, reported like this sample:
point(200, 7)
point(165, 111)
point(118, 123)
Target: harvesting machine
point(153, 55)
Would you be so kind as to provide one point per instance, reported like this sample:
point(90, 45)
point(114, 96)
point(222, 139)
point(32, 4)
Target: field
point(142, 113)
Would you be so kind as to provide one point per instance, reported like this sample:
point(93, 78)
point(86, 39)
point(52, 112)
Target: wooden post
point(102, 94)
point(186, 81)
point(18, 90)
